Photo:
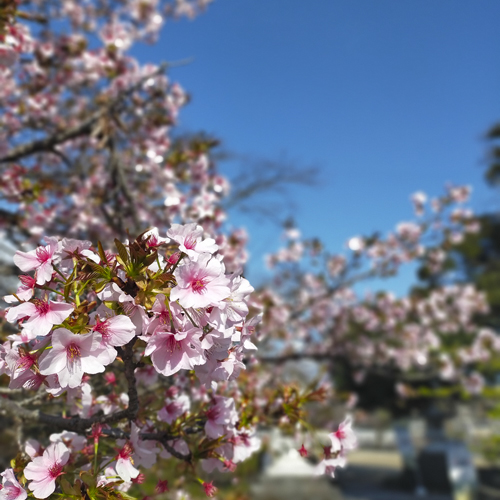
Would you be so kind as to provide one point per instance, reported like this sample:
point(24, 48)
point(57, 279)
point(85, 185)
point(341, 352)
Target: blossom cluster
point(117, 166)
point(319, 314)
point(160, 309)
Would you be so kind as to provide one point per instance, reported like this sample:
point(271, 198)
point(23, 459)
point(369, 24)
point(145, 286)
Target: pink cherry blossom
point(25, 290)
point(343, 438)
point(71, 356)
point(245, 443)
point(124, 465)
point(19, 361)
point(11, 490)
point(116, 330)
point(189, 237)
point(210, 489)
point(40, 259)
point(145, 452)
point(173, 409)
point(171, 352)
point(42, 315)
point(161, 313)
point(201, 283)
point(71, 248)
point(72, 440)
point(43, 471)
point(221, 417)
point(154, 238)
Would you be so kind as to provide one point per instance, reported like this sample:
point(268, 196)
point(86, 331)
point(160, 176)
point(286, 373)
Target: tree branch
point(76, 423)
point(85, 127)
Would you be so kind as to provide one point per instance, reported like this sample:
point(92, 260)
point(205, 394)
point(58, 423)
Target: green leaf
point(68, 488)
point(88, 479)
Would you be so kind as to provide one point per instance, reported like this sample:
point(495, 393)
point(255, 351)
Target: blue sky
point(386, 97)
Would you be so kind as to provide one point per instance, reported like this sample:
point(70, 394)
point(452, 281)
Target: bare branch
point(264, 176)
point(296, 356)
point(165, 439)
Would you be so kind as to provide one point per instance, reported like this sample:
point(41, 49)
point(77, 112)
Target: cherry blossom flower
point(171, 352)
point(161, 486)
point(221, 417)
point(33, 448)
point(189, 237)
point(71, 248)
point(161, 313)
point(40, 259)
point(11, 489)
point(154, 238)
point(144, 452)
point(173, 409)
point(124, 464)
point(115, 331)
point(71, 356)
point(201, 283)
point(343, 438)
point(419, 199)
point(43, 471)
point(245, 443)
point(71, 440)
point(25, 290)
point(42, 315)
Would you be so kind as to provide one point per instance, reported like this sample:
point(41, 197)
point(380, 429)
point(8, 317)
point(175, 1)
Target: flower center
point(25, 361)
point(213, 413)
point(55, 470)
point(164, 318)
point(153, 241)
point(42, 254)
point(102, 328)
point(126, 452)
point(171, 344)
point(73, 351)
point(12, 492)
point(41, 306)
point(199, 285)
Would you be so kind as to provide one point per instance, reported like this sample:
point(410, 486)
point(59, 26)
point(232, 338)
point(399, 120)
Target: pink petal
point(91, 364)
point(44, 488)
point(52, 362)
point(20, 311)
point(44, 273)
point(59, 311)
point(26, 261)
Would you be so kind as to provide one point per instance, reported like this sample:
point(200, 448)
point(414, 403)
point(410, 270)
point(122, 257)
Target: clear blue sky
point(387, 97)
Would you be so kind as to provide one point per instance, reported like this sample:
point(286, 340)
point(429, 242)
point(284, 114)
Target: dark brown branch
point(76, 423)
point(162, 437)
point(165, 439)
point(130, 366)
point(31, 16)
point(296, 356)
point(85, 127)
point(120, 187)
